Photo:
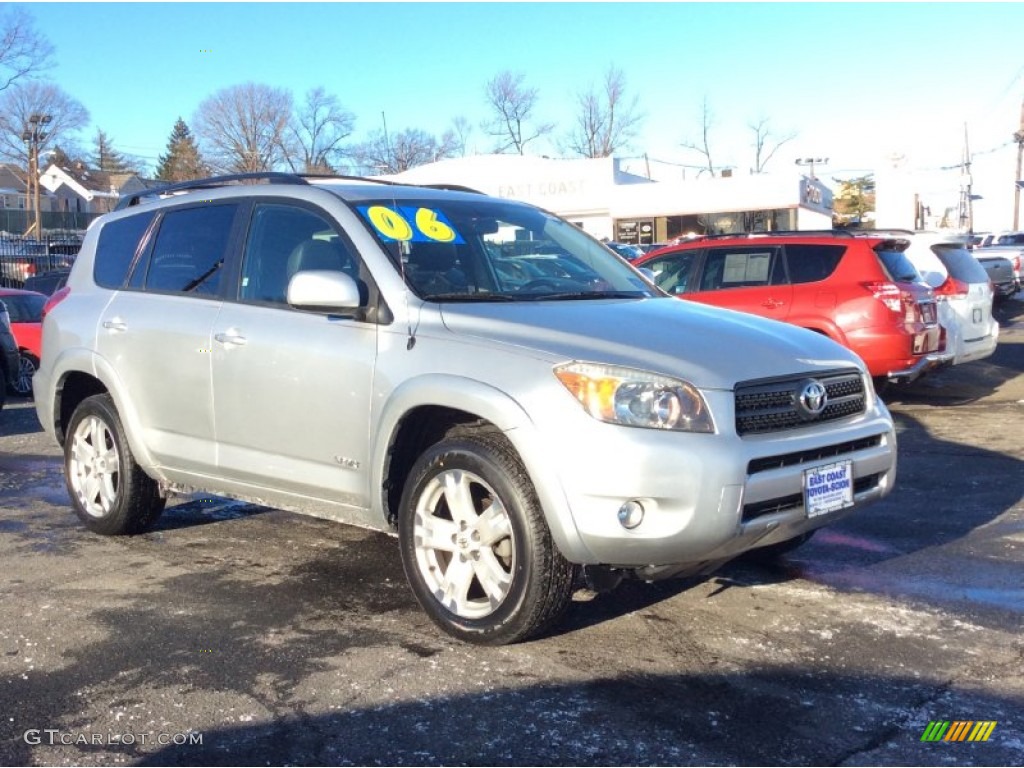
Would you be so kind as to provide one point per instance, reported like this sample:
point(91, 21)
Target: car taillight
point(952, 288)
point(887, 293)
point(54, 300)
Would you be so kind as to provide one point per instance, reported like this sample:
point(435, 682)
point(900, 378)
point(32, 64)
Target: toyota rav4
point(476, 376)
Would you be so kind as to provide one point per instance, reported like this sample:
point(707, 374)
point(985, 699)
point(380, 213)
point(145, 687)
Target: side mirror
point(324, 290)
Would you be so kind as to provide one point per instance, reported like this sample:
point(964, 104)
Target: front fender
point(501, 410)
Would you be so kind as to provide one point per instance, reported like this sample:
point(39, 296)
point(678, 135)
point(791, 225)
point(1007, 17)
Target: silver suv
point(474, 375)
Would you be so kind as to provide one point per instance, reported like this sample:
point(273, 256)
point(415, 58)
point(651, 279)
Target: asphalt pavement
point(239, 635)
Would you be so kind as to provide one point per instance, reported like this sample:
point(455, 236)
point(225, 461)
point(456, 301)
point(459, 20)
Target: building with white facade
point(609, 203)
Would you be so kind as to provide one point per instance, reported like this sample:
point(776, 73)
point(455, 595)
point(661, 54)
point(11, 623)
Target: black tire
point(484, 471)
point(109, 491)
point(773, 552)
point(21, 383)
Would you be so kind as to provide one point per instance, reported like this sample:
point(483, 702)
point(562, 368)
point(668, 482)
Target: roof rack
point(778, 233)
point(272, 177)
point(212, 182)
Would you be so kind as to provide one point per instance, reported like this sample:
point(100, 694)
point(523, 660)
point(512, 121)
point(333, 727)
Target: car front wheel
point(475, 546)
point(110, 492)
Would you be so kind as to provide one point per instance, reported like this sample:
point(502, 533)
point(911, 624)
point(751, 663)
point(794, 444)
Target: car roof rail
point(775, 233)
point(212, 182)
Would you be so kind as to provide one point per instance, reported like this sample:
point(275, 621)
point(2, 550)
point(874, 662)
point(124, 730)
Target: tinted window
point(810, 263)
point(1016, 238)
point(188, 255)
point(961, 264)
point(284, 240)
point(118, 243)
point(741, 268)
point(898, 266)
point(24, 309)
point(672, 273)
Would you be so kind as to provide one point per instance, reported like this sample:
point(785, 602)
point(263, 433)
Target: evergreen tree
point(107, 159)
point(182, 161)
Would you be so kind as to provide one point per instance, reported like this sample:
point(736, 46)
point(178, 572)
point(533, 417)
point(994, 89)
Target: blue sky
point(857, 82)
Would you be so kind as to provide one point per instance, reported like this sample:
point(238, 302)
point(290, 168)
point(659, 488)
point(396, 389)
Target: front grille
point(773, 405)
point(814, 454)
point(795, 500)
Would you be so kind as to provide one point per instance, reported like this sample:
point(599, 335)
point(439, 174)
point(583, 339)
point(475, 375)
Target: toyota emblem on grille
point(812, 398)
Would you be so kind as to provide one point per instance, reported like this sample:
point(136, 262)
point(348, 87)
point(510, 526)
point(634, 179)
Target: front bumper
point(706, 497)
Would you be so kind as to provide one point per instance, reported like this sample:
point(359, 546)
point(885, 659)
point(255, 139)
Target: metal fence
point(18, 220)
point(22, 258)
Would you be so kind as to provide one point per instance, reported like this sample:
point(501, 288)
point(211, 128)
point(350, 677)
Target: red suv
point(859, 290)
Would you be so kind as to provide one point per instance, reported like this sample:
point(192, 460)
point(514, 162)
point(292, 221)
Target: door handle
point(231, 337)
point(772, 303)
point(116, 324)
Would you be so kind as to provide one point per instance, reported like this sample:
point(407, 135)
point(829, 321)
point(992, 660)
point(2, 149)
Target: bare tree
point(317, 132)
point(460, 132)
point(406, 149)
point(23, 51)
point(244, 128)
point(513, 105)
point(607, 121)
point(765, 145)
point(22, 101)
point(704, 145)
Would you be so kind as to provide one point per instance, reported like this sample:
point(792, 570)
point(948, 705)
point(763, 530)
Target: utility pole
point(966, 222)
point(1019, 138)
point(34, 135)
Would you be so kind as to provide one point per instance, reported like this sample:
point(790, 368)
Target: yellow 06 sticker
point(428, 223)
point(390, 223)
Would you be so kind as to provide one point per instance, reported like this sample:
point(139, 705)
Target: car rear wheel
point(27, 365)
point(110, 492)
point(475, 546)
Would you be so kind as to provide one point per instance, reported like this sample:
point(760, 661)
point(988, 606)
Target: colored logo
point(958, 730)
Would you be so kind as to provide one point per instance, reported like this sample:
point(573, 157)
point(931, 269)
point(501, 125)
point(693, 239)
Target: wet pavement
point(237, 635)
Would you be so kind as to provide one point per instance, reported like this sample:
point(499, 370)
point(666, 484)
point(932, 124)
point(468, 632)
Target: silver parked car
point(352, 350)
point(963, 293)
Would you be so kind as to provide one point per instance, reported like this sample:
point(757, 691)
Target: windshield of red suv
point(496, 250)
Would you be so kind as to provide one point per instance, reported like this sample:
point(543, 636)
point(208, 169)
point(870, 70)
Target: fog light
point(631, 514)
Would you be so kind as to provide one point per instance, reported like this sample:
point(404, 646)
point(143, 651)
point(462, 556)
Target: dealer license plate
point(828, 489)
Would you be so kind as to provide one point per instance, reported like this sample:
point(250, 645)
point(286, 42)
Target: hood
point(710, 347)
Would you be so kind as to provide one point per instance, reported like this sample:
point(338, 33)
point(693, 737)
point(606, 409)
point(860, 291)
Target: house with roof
point(78, 189)
point(14, 190)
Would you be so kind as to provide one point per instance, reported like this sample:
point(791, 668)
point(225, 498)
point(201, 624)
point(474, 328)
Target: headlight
point(636, 398)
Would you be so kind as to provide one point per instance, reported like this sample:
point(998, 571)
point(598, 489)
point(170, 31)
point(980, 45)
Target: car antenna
point(403, 247)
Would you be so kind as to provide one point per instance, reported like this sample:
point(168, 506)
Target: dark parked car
point(48, 283)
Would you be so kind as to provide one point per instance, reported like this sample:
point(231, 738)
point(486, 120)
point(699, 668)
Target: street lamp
point(34, 135)
point(812, 161)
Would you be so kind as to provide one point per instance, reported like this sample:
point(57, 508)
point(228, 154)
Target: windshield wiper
point(584, 295)
point(469, 297)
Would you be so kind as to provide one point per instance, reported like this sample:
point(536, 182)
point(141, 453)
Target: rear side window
point(741, 268)
point(188, 255)
point(810, 263)
point(898, 266)
point(118, 243)
point(961, 264)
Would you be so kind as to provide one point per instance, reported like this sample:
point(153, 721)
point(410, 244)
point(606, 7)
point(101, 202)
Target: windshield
point(495, 250)
point(24, 308)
